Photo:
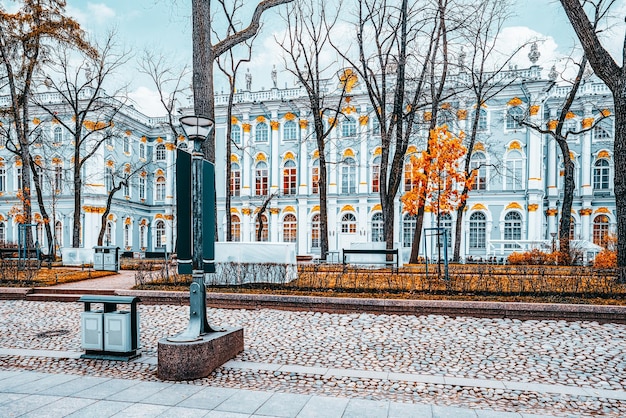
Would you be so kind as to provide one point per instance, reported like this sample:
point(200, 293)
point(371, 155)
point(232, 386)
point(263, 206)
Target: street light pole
point(196, 129)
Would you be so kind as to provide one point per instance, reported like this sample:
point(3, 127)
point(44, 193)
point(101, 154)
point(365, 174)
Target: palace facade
point(514, 204)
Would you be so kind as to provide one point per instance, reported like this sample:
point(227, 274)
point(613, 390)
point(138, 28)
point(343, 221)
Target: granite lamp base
point(197, 359)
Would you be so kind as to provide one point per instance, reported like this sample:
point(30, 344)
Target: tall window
point(477, 230)
point(58, 178)
point(376, 175)
point(512, 228)
point(3, 179)
point(409, 181)
point(143, 237)
point(290, 228)
point(160, 152)
point(58, 233)
point(108, 179)
point(479, 164)
point(315, 177)
point(235, 179)
point(348, 176)
point(261, 132)
point(160, 234)
point(126, 188)
point(262, 219)
point(482, 120)
point(235, 134)
point(18, 178)
point(514, 164)
point(58, 136)
point(572, 228)
point(126, 144)
point(445, 222)
point(348, 223)
point(290, 131)
point(289, 178)
point(315, 231)
point(513, 118)
point(348, 127)
point(601, 230)
point(235, 228)
point(160, 188)
point(601, 171)
point(378, 233)
point(108, 234)
point(375, 126)
point(127, 236)
point(142, 188)
point(261, 179)
point(142, 150)
point(3, 235)
point(408, 230)
point(108, 141)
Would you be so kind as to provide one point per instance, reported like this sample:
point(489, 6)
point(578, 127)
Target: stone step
point(53, 297)
point(71, 291)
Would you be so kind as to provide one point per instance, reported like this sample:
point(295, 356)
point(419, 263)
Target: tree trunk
point(78, 188)
point(568, 198)
point(619, 178)
point(42, 208)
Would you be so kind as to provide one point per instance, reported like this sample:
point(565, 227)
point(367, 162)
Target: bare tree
point(205, 52)
point(308, 33)
point(82, 92)
point(26, 39)
point(614, 77)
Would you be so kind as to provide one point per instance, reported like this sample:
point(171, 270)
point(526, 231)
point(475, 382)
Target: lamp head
point(196, 128)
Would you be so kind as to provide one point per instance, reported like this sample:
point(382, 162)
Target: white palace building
point(516, 197)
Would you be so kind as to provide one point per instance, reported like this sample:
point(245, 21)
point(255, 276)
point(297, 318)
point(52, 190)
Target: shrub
point(534, 257)
point(606, 259)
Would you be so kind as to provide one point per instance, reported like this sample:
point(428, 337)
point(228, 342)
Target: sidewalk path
point(124, 279)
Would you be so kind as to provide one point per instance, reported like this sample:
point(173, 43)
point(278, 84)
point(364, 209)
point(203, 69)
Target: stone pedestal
point(197, 359)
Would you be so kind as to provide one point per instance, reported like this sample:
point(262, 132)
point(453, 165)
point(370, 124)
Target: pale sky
point(165, 26)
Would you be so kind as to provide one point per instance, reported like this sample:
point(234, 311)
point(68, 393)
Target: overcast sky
point(165, 26)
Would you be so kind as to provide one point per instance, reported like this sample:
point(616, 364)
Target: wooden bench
point(394, 264)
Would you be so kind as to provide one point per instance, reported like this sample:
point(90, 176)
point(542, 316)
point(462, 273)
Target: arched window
point(160, 236)
point(482, 120)
point(601, 230)
point(602, 130)
point(408, 229)
point(3, 233)
point(445, 222)
point(58, 136)
point(160, 188)
point(315, 231)
point(378, 233)
point(182, 146)
point(289, 178)
point(348, 224)
point(235, 179)
point(514, 171)
point(235, 228)
point(512, 228)
point(290, 131)
point(109, 236)
point(315, 177)
point(477, 230)
point(261, 132)
point(160, 152)
point(290, 228)
point(376, 175)
point(513, 117)
point(479, 164)
point(601, 173)
point(143, 237)
point(235, 134)
point(58, 233)
point(127, 236)
point(263, 226)
point(261, 179)
point(348, 127)
point(348, 176)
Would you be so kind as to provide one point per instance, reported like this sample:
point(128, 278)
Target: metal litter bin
point(106, 258)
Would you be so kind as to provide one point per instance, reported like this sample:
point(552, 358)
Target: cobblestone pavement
point(540, 367)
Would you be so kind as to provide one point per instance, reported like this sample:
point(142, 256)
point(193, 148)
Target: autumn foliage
point(436, 174)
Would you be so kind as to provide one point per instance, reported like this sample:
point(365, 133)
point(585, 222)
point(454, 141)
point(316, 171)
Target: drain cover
point(53, 333)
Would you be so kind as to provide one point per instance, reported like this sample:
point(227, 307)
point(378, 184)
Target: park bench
point(394, 263)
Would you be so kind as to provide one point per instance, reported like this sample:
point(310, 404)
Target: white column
point(304, 228)
point(585, 164)
point(304, 161)
point(585, 229)
point(552, 168)
point(365, 155)
point(333, 169)
point(534, 156)
point(246, 225)
point(274, 232)
point(274, 159)
point(247, 167)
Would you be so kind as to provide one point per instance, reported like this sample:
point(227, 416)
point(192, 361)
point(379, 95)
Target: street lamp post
point(197, 128)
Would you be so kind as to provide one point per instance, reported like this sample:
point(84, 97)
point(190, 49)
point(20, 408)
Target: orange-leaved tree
point(438, 180)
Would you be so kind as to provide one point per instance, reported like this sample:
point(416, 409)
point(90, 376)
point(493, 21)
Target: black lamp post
point(197, 128)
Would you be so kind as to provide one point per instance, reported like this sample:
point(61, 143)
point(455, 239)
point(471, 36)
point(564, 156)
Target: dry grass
point(11, 275)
